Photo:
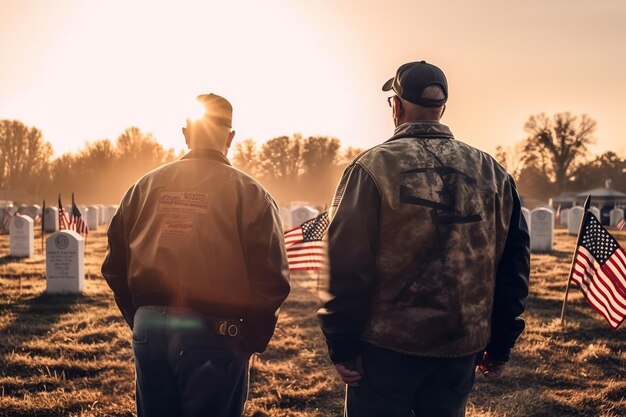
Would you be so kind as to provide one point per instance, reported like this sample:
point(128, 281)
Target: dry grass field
point(71, 355)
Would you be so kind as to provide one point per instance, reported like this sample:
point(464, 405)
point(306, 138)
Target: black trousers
point(395, 384)
point(184, 368)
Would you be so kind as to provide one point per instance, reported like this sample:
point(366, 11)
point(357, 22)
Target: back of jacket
point(200, 234)
point(444, 218)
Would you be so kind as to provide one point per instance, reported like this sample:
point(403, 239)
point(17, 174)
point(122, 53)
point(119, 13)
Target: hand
point(351, 372)
point(491, 368)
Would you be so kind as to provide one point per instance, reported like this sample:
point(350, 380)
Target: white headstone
point(564, 217)
point(596, 212)
point(22, 236)
point(526, 214)
point(285, 216)
point(65, 262)
point(93, 217)
point(541, 230)
point(573, 222)
point(51, 219)
point(83, 212)
point(301, 214)
point(109, 211)
point(616, 215)
point(101, 214)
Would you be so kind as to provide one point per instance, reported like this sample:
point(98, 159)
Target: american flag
point(64, 221)
point(305, 248)
point(77, 222)
point(620, 225)
point(600, 271)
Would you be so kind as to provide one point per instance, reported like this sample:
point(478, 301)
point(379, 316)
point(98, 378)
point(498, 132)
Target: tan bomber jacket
point(200, 234)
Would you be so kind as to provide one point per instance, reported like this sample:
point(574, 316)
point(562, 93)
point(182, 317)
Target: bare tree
point(281, 158)
point(319, 155)
point(558, 145)
point(246, 157)
point(511, 158)
point(24, 157)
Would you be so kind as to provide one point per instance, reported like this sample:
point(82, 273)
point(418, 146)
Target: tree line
point(553, 158)
point(291, 167)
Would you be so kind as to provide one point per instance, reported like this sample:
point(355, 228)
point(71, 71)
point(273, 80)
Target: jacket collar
point(211, 154)
point(425, 129)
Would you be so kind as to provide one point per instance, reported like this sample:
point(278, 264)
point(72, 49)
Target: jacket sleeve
point(268, 273)
point(512, 285)
point(352, 249)
point(115, 266)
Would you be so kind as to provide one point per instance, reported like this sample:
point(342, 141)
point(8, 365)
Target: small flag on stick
point(600, 271)
point(620, 225)
point(77, 222)
point(43, 225)
point(64, 221)
point(304, 245)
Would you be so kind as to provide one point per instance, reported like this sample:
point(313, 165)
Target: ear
point(398, 109)
point(231, 136)
point(443, 110)
point(186, 135)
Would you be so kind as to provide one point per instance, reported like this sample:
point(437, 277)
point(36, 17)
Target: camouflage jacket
point(428, 250)
point(200, 234)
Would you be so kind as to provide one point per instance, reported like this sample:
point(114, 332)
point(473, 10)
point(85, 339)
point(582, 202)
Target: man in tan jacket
point(197, 264)
point(429, 263)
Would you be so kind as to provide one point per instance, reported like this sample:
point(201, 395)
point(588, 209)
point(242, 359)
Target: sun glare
point(195, 110)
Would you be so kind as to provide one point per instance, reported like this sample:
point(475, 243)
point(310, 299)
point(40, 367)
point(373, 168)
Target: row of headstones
point(95, 216)
point(541, 224)
point(65, 250)
point(615, 215)
point(22, 228)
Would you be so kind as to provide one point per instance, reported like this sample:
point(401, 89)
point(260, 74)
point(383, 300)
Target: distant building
point(605, 198)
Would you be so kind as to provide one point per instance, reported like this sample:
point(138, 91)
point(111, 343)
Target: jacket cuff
point(344, 351)
point(498, 352)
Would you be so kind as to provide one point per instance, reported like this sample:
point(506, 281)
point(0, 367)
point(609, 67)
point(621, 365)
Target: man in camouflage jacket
point(429, 263)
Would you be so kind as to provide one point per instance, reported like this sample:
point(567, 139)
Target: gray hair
point(434, 92)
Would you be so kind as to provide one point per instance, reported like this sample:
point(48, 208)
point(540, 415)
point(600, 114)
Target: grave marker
point(51, 219)
point(616, 215)
point(301, 214)
point(574, 219)
point(542, 230)
point(92, 217)
point(22, 237)
point(65, 262)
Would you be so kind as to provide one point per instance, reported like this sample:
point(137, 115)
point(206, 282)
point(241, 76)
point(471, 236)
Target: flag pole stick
point(43, 222)
point(569, 277)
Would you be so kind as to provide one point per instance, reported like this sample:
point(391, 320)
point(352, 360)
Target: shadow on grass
point(35, 317)
point(7, 259)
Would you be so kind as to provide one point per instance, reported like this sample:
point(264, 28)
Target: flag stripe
point(606, 282)
point(594, 299)
point(598, 270)
point(620, 260)
point(598, 286)
point(599, 295)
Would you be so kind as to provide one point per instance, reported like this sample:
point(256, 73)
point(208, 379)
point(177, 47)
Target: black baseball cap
point(217, 109)
point(412, 78)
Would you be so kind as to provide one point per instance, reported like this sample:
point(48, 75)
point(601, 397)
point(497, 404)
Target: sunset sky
point(86, 70)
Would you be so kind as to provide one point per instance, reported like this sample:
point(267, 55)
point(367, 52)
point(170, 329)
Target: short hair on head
point(433, 92)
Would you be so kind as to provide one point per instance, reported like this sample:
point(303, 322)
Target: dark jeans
point(395, 384)
point(184, 368)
